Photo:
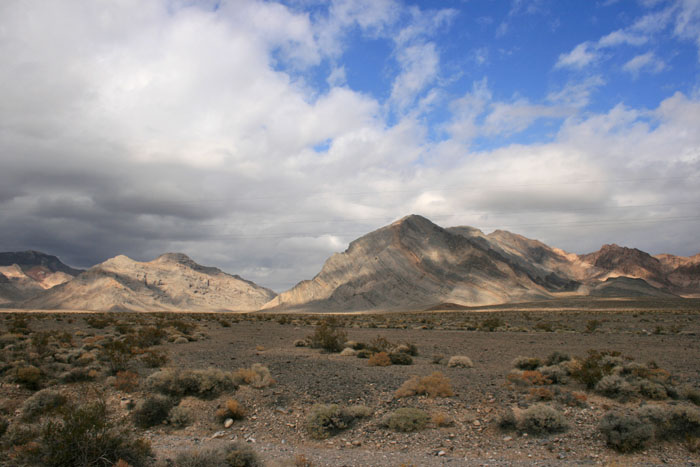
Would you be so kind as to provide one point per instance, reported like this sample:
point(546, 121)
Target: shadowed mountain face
point(415, 264)
point(30, 272)
point(172, 282)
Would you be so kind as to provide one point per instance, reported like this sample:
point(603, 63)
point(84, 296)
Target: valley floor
point(464, 429)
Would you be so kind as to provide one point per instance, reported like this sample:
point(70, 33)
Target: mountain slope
point(30, 272)
point(413, 263)
point(171, 282)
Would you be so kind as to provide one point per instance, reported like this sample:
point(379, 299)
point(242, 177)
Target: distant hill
point(30, 272)
point(416, 264)
point(171, 282)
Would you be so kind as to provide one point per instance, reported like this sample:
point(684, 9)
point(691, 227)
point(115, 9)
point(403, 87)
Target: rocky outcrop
point(171, 282)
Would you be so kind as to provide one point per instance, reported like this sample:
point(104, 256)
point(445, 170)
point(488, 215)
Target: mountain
point(30, 272)
point(171, 282)
point(416, 264)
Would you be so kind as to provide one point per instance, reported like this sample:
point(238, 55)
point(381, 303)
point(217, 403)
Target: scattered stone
point(441, 453)
point(228, 423)
point(218, 434)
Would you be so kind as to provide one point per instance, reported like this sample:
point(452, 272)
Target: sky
point(263, 136)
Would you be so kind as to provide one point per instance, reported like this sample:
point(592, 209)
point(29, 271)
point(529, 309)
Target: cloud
point(581, 56)
point(647, 61)
point(419, 68)
point(143, 127)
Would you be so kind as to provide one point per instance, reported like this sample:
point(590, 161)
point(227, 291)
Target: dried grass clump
point(435, 385)
point(460, 361)
point(232, 409)
point(441, 419)
point(526, 363)
point(379, 359)
point(126, 381)
point(180, 416)
point(257, 376)
point(236, 454)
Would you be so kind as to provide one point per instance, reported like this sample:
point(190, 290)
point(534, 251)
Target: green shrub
point(84, 436)
point(324, 421)
point(42, 403)
point(200, 383)
point(328, 336)
point(406, 419)
point(624, 432)
point(152, 411)
point(684, 421)
point(541, 418)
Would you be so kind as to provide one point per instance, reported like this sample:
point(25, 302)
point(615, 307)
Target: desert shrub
point(554, 373)
point(210, 457)
point(354, 345)
point(324, 421)
point(182, 326)
point(544, 326)
point(526, 363)
point(507, 420)
point(595, 366)
point(301, 343)
point(328, 336)
point(85, 436)
point(541, 418)
point(693, 395)
point(117, 354)
point(379, 359)
point(651, 389)
point(380, 344)
point(359, 411)
point(232, 409)
point(406, 419)
point(96, 322)
point(438, 359)
point(440, 419)
point(364, 353)
point(527, 378)
point(154, 358)
point(400, 358)
point(592, 325)
point(152, 411)
point(76, 375)
point(615, 387)
point(435, 385)
point(658, 417)
point(42, 403)
point(200, 383)
point(407, 348)
point(180, 416)
point(126, 381)
point(239, 454)
point(19, 434)
point(348, 352)
point(3, 426)
point(684, 421)
point(557, 357)
point(257, 376)
point(491, 324)
point(28, 376)
point(572, 399)
point(624, 432)
point(460, 361)
point(541, 394)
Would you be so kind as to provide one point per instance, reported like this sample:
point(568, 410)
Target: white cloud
point(419, 68)
point(647, 61)
point(581, 56)
point(576, 94)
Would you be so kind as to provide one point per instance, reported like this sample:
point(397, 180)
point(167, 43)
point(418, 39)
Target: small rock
point(477, 423)
point(228, 423)
point(507, 438)
point(218, 434)
point(441, 453)
point(357, 442)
